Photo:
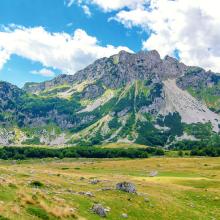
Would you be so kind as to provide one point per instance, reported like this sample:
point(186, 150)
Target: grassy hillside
point(185, 188)
point(210, 95)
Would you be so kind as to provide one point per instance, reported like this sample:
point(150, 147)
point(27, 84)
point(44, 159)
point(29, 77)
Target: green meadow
point(184, 188)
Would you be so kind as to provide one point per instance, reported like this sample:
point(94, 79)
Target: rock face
point(9, 96)
point(196, 77)
point(127, 97)
point(126, 187)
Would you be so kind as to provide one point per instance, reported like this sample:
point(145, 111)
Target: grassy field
point(123, 145)
point(185, 188)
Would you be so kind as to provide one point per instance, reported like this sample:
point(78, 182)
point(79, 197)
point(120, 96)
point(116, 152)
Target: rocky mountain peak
point(150, 55)
point(119, 70)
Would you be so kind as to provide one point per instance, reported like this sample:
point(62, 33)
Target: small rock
point(94, 181)
point(107, 209)
point(124, 215)
point(146, 199)
point(89, 194)
point(153, 173)
point(72, 209)
point(99, 210)
point(126, 187)
point(192, 205)
point(106, 189)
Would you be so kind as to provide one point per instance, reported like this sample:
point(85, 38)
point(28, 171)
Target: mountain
point(127, 97)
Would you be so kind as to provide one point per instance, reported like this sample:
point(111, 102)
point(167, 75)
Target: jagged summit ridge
point(118, 70)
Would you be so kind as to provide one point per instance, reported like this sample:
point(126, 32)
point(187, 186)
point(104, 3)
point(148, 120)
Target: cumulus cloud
point(108, 5)
point(4, 57)
point(190, 27)
point(136, 17)
point(62, 51)
point(43, 72)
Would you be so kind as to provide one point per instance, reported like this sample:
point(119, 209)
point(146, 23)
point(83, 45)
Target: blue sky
point(40, 39)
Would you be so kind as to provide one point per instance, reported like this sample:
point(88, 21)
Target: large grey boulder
point(99, 210)
point(126, 187)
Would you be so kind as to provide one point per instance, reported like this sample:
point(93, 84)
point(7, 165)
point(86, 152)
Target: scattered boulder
point(153, 173)
point(89, 194)
point(126, 187)
point(124, 215)
point(94, 181)
point(99, 210)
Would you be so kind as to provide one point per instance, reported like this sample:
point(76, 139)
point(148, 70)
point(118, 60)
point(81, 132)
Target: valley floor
point(184, 188)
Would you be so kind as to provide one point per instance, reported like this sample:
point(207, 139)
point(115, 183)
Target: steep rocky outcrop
point(196, 77)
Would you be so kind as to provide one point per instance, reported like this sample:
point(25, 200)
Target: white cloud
point(110, 5)
point(43, 72)
point(62, 51)
point(69, 24)
point(86, 10)
point(84, 7)
point(189, 26)
point(135, 17)
point(4, 57)
point(69, 3)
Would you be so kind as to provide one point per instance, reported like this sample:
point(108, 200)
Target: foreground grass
point(185, 188)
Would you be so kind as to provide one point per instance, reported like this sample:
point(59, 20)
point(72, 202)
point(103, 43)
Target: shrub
point(39, 212)
point(36, 183)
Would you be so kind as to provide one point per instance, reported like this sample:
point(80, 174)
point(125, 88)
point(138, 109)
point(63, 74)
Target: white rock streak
point(190, 109)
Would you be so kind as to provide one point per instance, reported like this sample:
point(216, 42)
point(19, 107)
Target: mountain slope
point(125, 98)
point(190, 109)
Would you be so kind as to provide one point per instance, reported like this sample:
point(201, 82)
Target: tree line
point(77, 152)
